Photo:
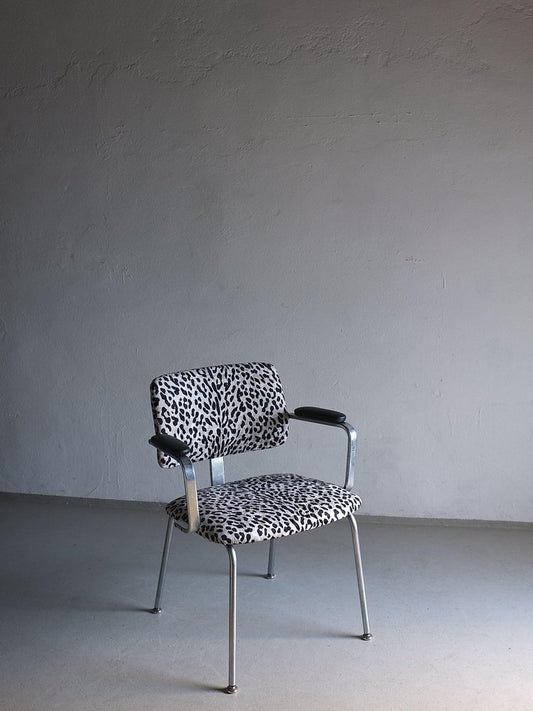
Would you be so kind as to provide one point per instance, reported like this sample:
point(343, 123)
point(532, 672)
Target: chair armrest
point(178, 450)
point(172, 446)
point(319, 414)
point(335, 419)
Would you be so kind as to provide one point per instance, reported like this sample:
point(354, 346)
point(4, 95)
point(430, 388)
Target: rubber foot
point(231, 689)
point(366, 637)
point(270, 576)
point(155, 610)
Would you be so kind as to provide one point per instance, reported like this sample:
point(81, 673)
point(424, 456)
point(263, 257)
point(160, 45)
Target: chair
point(211, 412)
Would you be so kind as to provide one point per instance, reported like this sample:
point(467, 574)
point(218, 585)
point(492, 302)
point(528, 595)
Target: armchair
point(211, 412)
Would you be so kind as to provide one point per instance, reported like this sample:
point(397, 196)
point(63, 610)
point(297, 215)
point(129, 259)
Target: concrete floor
point(451, 610)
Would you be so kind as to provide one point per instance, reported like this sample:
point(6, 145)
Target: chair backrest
point(219, 410)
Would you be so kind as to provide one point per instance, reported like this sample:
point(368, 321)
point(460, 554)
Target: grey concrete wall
point(341, 188)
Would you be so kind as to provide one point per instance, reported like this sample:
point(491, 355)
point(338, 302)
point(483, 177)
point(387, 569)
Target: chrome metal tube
point(271, 560)
point(352, 445)
point(360, 578)
point(350, 456)
point(232, 687)
point(163, 569)
point(191, 494)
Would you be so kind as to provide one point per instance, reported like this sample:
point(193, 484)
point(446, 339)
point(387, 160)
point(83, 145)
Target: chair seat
point(266, 507)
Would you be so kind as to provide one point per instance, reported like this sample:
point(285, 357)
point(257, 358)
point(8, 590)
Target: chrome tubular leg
point(360, 579)
point(271, 559)
point(164, 560)
point(232, 687)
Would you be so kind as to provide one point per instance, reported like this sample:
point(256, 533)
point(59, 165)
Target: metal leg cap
point(231, 689)
point(367, 637)
point(155, 610)
point(270, 576)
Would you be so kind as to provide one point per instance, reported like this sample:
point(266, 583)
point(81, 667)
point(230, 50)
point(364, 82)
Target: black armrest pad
point(319, 414)
point(170, 445)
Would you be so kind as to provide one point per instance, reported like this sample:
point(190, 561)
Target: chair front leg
point(164, 560)
point(360, 579)
point(232, 687)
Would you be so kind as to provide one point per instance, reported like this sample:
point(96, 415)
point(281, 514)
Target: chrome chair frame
point(179, 453)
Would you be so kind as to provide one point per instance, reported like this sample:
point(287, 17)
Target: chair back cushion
point(219, 410)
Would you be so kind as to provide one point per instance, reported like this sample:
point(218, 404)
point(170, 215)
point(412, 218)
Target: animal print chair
point(208, 413)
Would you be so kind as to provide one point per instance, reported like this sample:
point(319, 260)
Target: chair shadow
point(152, 681)
point(246, 574)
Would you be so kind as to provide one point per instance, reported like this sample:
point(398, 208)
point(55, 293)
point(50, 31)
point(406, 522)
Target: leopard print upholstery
point(230, 409)
point(219, 410)
point(266, 507)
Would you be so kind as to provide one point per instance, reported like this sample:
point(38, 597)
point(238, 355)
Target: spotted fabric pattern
point(219, 410)
point(266, 507)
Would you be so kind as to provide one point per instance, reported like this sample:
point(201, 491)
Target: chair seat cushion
point(265, 507)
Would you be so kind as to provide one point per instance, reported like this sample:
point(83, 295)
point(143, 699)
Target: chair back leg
point(232, 686)
point(360, 578)
point(271, 560)
point(162, 571)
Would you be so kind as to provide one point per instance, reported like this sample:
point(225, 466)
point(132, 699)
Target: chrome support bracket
point(216, 470)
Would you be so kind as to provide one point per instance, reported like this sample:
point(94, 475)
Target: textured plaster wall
point(344, 189)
